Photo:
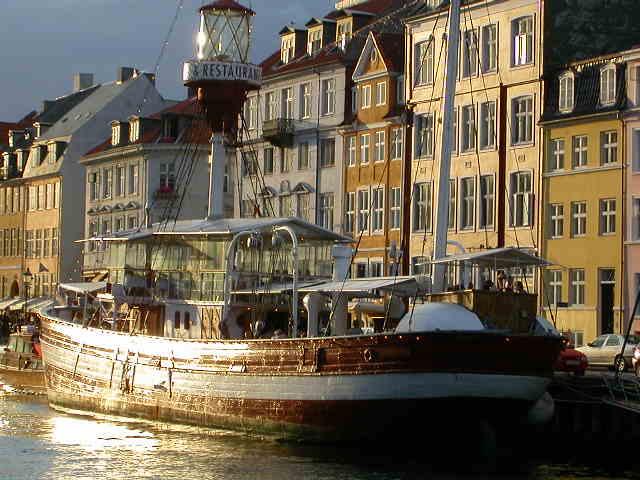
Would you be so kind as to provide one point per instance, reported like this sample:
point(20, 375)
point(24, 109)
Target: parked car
point(604, 351)
point(572, 361)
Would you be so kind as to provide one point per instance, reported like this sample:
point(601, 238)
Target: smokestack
point(81, 81)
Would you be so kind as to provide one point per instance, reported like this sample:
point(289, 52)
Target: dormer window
point(315, 41)
point(134, 131)
point(566, 97)
point(55, 151)
point(343, 34)
point(287, 51)
point(608, 85)
point(115, 134)
point(170, 127)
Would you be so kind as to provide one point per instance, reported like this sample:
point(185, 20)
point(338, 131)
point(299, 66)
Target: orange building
point(375, 166)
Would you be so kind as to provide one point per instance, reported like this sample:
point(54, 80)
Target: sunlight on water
point(92, 435)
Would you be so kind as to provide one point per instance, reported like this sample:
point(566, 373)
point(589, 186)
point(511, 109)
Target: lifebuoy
point(369, 355)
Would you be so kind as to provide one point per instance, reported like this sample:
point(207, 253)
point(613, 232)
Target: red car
point(571, 360)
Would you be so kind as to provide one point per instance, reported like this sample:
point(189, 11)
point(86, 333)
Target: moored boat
point(21, 361)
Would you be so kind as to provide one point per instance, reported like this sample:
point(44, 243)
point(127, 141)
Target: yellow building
point(582, 191)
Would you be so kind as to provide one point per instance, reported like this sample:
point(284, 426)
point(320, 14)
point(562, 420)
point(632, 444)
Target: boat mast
point(442, 205)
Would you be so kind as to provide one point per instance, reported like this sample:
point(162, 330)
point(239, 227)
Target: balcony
point(279, 132)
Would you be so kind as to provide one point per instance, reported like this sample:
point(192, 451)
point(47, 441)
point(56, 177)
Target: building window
point(378, 150)
point(168, 176)
point(305, 100)
point(381, 93)
point(287, 49)
point(349, 212)
point(396, 143)
point(396, 208)
point(554, 287)
point(400, 90)
point(49, 196)
point(94, 188)
point(486, 201)
point(120, 225)
point(326, 210)
point(451, 225)
point(315, 41)
point(286, 160)
point(361, 269)
point(251, 112)
point(120, 181)
point(343, 34)
point(134, 131)
point(424, 135)
point(134, 174)
point(578, 219)
point(365, 96)
point(608, 147)
point(304, 206)
point(115, 134)
point(566, 100)
point(556, 154)
point(132, 222)
point(522, 40)
point(467, 203)
point(376, 268)
point(608, 85)
point(354, 99)
point(363, 210)
point(377, 221)
point(521, 196)
point(635, 143)
point(364, 148)
point(607, 216)
point(107, 179)
point(267, 155)
point(635, 227)
point(522, 123)
point(287, 102)
point(422, 207)
point(270, 106)
point(556, 220)
point(286, 205)
point(328, 96)
point(327, 152)
point(577, 280)
point(489, 48)
point(351, 147)
point(487, 125)
point(468, 128)
point(580, 151)
point(303, 156)
point(423, 61)
point(469, 53)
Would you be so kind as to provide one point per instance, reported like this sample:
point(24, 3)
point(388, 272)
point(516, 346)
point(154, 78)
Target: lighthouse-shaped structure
point(222, 75)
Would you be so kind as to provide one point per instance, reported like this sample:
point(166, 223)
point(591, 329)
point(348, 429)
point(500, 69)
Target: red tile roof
point(372, 6)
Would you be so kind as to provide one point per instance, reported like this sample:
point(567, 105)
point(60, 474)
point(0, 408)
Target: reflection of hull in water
point(333, 388)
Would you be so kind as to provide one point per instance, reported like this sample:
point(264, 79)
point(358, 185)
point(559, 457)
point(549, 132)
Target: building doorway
point(607, 286)
point(15, 289)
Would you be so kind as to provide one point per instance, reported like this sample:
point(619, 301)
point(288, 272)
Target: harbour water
point(37, 442)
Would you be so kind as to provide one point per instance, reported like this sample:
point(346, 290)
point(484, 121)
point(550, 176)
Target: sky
point(44, 42)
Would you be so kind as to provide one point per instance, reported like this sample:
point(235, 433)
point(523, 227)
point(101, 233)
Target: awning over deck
point(6, 303)
point(368, 287)
point(506, 257)
point(84, 287)
point(275, 288)
point(28, 304)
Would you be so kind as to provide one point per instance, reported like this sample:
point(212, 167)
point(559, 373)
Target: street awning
point(275, 288)
point(368, 287)
point(506, 257)
point(8, 302)
point(27, 304)
point(83, 287)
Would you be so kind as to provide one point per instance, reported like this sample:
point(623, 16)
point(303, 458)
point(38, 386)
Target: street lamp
point(26, 283)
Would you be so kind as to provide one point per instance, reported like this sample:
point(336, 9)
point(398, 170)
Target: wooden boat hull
point(322, 389)
point(28, 380)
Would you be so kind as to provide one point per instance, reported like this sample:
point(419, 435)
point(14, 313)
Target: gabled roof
point(197, 132)
point(505, 257)
point(288, 29)
point(389, 46)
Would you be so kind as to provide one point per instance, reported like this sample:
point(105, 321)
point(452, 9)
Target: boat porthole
point(369, 355)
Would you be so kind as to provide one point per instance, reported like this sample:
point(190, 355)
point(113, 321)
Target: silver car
point(604, 351)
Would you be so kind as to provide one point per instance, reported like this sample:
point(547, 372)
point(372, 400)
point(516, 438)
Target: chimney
point(124, 73)
point(46, 105)
point(151, 77)
point(82, 81)
point(16, 137)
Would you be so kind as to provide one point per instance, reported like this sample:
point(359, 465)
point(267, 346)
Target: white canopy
point(367, 287)
point(506, 257)
point(84, 287)
point(8, 302)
